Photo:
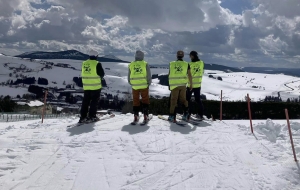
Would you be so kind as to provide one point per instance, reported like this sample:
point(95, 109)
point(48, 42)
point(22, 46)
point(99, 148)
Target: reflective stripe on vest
point(197, 69)
point(178, 74)
point(138, 75)
point(90, 78)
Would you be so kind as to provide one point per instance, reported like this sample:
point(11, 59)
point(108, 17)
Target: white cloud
point(116, 21)
point(158, 27)
point(272, 45)
point(96, 32)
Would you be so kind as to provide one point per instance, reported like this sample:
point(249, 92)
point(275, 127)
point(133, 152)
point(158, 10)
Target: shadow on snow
point(87, 128)
point(135, 129)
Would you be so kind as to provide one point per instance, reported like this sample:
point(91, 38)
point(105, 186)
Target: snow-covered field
point(235, 86)
point(113, 155)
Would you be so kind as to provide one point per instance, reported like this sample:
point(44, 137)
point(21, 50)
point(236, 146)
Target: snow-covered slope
point(111, 154)
point(235, 86)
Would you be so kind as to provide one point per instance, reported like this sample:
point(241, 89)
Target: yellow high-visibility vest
point(178, 74)
point(197, 70)
point(138, 75)
point(90, 79)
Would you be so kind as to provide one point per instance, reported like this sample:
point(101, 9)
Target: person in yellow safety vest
point(92, 74)
point(139, 77)
point(179, 76)
point(197, 70)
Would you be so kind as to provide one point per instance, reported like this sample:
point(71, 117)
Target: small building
point(34, 107)
point(57, 109)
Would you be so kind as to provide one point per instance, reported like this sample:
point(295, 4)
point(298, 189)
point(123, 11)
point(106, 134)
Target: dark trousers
point(90, 103)
point(197, 92)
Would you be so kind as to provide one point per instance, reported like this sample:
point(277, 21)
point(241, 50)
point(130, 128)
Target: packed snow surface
point(111, 154)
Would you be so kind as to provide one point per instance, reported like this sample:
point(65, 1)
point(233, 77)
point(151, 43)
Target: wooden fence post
point(290, 132)
point(46, 92)
point(221, 106)
point(249, 110)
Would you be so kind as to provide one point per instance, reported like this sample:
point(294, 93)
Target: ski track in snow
point(112, 154)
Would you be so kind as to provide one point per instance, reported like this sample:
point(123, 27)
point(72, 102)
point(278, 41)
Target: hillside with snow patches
point(235, 85)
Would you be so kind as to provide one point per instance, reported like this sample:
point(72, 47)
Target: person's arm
point(100, 70)
point(149, 76)
point(169, 75)
point(128, 76)
point(190, 78)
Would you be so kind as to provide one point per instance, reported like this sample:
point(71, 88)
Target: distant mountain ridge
point(69, 54)
point(76, 55)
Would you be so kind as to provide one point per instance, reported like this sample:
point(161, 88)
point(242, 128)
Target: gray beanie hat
point(139, 55)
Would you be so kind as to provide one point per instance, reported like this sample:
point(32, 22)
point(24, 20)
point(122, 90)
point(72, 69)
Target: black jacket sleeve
point(100, 70)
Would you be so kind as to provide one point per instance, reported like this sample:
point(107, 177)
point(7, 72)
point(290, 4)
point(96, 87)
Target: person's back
point(197, 70)
point(179, 75)
point(92, 74)
point(90, 79)
point(139, 77)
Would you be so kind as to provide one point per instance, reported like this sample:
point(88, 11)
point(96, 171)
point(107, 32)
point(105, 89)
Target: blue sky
point(42, 5)
point(237, 6)
point(228, 32)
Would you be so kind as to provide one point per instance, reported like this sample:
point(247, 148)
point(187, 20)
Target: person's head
point(193, 55)
point(139, 55)
point(93, 54)
point(180, 54)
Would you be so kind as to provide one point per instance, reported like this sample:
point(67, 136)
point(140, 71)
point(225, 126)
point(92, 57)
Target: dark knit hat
point(194, 53)
point(180, 53)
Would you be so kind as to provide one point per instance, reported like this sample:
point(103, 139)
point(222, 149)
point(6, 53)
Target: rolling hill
point(235, 85)
point(76, 55)
point(69, 54)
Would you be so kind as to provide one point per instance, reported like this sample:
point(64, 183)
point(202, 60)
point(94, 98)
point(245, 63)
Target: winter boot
point(136, 119)
point(172, 118)
point(186, 115)
point(146, 119)
point(93, 119)
point(199, 117)
point(83, 120)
